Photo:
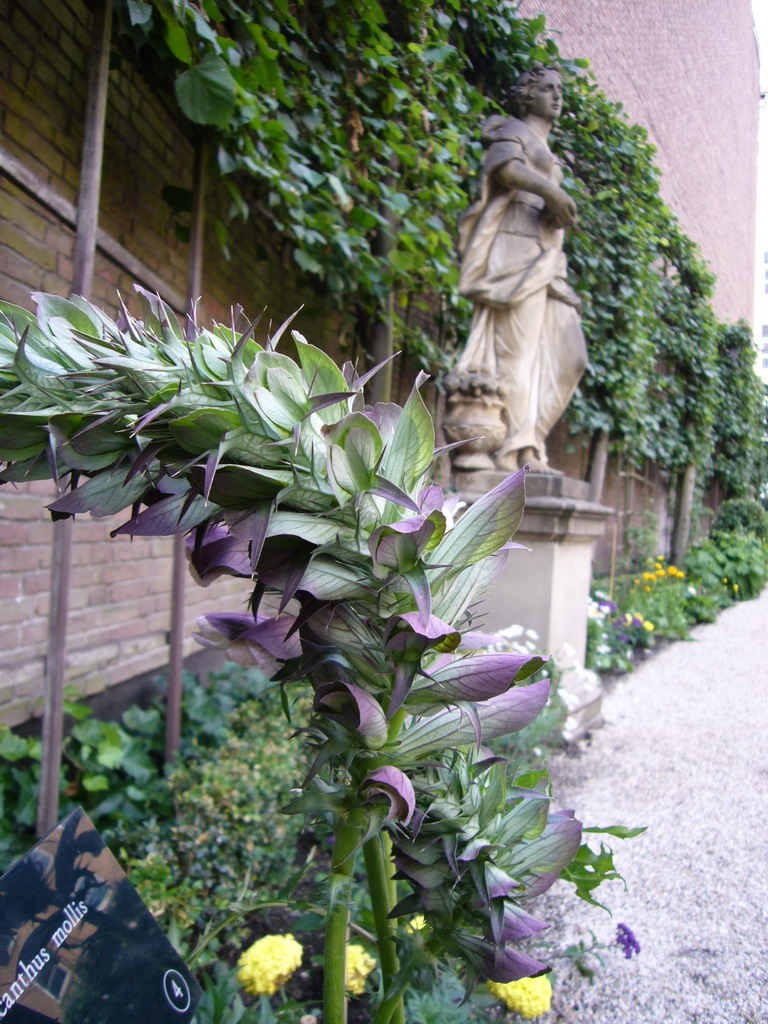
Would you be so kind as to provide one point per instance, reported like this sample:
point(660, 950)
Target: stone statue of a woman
point(526, 334)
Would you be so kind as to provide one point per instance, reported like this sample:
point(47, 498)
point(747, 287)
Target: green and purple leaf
point(453, 727)
point(478, 678)
point(486, 526)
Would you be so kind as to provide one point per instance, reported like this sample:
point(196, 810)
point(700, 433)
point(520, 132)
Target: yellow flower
point(635, 581)
point(416, 924)
point(530, 997)
point(359, 966)
point(648, 576)
point(627, 619)
point(649, 626)
point(268, 964)
point(735, 588)
point(673, 570)
point(659, 567)
point(647, 590)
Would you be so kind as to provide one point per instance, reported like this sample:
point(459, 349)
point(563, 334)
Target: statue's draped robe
point(526, 332)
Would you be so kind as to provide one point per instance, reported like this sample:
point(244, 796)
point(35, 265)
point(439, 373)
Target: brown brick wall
point(119, 599)
point(688, 72)
point(119, 602)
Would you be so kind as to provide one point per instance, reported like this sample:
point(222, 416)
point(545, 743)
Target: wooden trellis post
point(179, 571)
point(82, 283)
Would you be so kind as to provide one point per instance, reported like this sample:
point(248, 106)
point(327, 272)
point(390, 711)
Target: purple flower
point(218, 553)
point(518, 924)
point(626, 939)
point(396, 787)
point(353, 708)
point(248, 641)
point(407, 637)
point(399, 546)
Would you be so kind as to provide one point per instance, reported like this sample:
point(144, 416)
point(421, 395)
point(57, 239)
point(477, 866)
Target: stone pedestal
point(546, 588)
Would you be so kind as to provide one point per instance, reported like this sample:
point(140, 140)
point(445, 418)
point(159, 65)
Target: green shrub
point(227, 828)
point(700, 606)
point(742, 515)
point(730, 566)
point(115, 770)
point(112, 769)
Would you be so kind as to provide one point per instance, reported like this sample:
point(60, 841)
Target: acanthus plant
point(280, 474)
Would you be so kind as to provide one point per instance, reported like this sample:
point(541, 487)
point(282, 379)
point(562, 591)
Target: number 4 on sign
point(176, 991)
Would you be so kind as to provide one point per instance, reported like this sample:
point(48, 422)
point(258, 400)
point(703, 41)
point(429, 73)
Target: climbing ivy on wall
point(611, 258)
point(354, 122)
point(741, 427)
point(351, 126)
point(684, 390)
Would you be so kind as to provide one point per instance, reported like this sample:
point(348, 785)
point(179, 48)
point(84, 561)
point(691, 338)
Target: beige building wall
point(687, 71)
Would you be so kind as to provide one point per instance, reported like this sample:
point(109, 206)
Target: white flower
point(510, 632)
point(451, 508)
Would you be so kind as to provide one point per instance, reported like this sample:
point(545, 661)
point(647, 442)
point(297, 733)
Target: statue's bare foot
point(508, 462)
point(530, 457)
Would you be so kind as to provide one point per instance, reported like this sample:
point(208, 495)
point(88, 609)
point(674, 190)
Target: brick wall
point(688, 72)
point(119, 600)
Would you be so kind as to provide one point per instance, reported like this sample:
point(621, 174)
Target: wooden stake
point(599, 464)
point(179, 571)
point(82, 283)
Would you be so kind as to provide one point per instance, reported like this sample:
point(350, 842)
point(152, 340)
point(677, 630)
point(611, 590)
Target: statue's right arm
point(514, 174)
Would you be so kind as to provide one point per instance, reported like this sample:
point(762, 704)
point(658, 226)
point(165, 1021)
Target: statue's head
point(529, 90)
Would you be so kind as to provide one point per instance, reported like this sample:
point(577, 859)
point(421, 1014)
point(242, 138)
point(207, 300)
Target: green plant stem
point(396, 725)
point(227, 922)
point(391, 883)
point(380, 886)
point(334, 994)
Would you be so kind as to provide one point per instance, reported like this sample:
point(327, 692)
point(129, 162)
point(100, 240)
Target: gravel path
point(684, 751)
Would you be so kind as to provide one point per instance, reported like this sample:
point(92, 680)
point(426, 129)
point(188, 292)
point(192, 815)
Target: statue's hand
point(561, 209)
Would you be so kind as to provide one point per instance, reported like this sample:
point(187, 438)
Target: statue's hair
point(521, 93)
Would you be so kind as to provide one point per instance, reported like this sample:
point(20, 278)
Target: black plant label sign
point(78, 944)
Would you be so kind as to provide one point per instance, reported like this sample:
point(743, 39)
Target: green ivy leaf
point(206, 92)
point(95, 783)
point(177, 40)
point(139, 13)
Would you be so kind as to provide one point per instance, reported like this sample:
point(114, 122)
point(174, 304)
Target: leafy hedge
point(352, 127)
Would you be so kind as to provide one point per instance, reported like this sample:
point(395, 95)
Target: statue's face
point(546, 96)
